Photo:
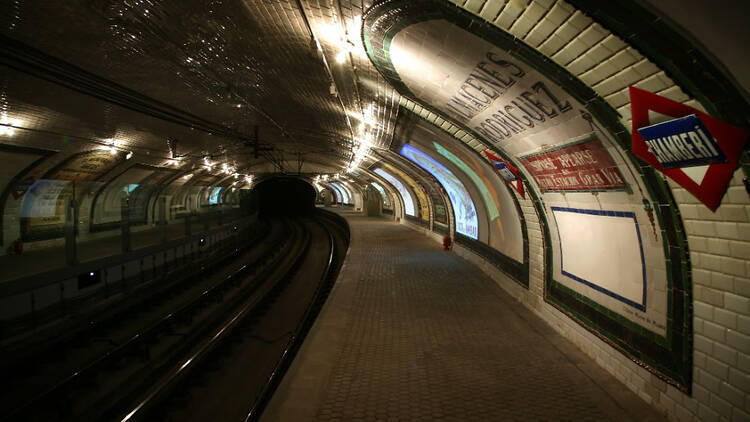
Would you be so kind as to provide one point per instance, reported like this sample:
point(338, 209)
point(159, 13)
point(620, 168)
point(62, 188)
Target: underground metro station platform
point(336, 210)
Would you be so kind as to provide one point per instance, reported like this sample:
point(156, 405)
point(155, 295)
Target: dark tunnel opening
point(287, 196)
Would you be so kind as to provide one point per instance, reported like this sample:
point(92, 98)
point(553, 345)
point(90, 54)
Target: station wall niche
point(285, 196)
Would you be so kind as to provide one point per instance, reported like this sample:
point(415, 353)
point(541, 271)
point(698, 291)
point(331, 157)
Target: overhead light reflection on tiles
point(111, 145)
point(341, 57)
point(345, 43)
point(354, 30)
point(406, 58)
point(227, 169)
point(8, 125)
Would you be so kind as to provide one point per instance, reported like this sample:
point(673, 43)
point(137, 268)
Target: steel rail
point(136, 340)
point(166, 383)
point(299, 335)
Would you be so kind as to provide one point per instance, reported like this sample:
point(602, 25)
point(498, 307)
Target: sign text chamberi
point(683, 142)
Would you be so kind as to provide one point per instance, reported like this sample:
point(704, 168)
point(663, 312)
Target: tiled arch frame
point(416, 184)
point(390, 190)
point(670, 357)
point(429, 185)
point(395, 193)
point(518, 272)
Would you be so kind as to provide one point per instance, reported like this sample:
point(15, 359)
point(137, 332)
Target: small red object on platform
point(447, 243)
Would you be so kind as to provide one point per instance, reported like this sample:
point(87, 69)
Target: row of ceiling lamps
point(113, 146)
point(8, 128)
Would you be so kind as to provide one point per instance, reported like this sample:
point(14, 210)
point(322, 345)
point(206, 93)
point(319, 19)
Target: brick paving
point(413, 333)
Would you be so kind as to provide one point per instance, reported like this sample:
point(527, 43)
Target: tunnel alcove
point(284, 196)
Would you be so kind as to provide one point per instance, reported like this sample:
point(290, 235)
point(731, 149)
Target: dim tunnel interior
point(284, 196)
point(589, 160)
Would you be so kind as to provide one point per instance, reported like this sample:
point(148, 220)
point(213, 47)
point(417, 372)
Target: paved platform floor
point(413, 333)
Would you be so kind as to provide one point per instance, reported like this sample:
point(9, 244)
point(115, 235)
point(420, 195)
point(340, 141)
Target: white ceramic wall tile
point(491, 9)
point(474, 5)
point(528, 20)
point(540, 32)
point(510, 13)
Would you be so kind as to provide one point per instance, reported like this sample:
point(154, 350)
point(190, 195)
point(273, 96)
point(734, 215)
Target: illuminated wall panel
point(383, 194)
point(463, 206)
point(346, 198)
point(408, 202)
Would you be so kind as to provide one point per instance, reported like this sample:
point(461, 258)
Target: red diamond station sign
point(701, 156)
point(507, 171)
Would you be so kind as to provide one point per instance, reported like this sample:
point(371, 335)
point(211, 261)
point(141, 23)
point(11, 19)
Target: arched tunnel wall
point(285, 196)
point(35, 184)
point(652, 324)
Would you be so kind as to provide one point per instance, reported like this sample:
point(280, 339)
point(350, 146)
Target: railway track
point(236, 378)
point(243, 324)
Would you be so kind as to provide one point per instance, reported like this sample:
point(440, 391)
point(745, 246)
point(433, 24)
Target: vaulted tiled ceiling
point(274, 65)
point(295, 69)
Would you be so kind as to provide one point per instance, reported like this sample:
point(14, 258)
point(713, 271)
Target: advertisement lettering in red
point(581, 166)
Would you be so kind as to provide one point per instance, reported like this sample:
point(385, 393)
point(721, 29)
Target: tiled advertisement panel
point(590, 254)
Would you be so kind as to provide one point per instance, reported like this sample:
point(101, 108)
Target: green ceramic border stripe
point(630, 325)
point(609, 118)
point(623, 346)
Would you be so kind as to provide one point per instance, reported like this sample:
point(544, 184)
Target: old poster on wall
point(43, 206)
point(579, 166)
